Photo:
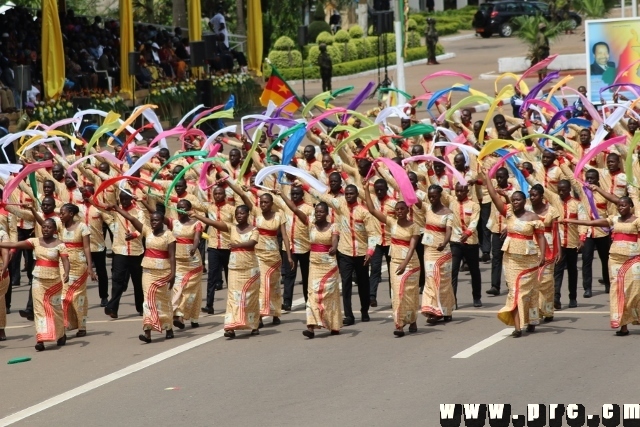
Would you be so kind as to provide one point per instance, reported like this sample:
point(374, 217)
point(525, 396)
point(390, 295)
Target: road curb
point(492, 75)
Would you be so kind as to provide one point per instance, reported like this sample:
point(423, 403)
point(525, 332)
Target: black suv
point(497, 16)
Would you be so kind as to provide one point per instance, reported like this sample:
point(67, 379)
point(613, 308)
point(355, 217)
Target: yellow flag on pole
point(52, 52)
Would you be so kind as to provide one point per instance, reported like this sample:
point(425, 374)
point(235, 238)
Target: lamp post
point(399, 29)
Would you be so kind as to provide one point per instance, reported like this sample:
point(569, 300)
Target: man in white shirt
point(218, 25)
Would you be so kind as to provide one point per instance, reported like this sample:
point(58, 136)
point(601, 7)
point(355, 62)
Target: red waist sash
point(74, 245)
point(519, 236)
point(46, 263)
point(184, 240)
point(624, 237)
point(435, 228)
point(242, 250)
point(399, 242)
point(155, 253)
point(265, 232)
point(317, 247)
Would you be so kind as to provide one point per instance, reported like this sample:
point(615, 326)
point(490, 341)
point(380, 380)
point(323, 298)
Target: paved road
point(365, 376)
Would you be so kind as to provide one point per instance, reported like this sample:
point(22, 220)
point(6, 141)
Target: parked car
point(496, 17)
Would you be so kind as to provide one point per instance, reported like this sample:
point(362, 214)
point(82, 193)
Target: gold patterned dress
point(546, 288)
point(269, 261)
point(75, 304)
point(4, 285)
point(405, 286)
point(437, 296)
point(47, 291)
point(324, 307)
point(156, 269)
point(243, 307)
point(187, 291)
point(624, 273)
point(520, 266)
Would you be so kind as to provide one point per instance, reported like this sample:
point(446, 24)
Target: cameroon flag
point(278, 91)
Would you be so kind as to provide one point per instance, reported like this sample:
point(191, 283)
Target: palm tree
point(593, 9)
point(528, 30)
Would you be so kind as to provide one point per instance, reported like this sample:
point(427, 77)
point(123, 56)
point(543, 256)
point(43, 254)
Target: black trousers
point(602, 245)
point(376, 270)
point(484, 234)
point(218, 262)
point(348, 265)
point(470, 254)
point(420, 253)
point(289, 275)
point(100, 262)
point(123, 268)
point(569, 262)
point(326, 79)
point(496, 259)
point(106, 230)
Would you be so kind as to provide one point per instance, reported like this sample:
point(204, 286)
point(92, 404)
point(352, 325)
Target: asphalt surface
point(364, 376)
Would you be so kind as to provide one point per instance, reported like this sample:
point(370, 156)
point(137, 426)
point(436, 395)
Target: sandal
point(144, 338)
point(230, 334)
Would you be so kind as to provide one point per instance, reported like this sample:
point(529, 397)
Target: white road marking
point(485, 343)
point(92, 385)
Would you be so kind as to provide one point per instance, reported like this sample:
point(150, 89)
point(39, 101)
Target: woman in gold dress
point(438, 300)
point(269, 223)
point(47, 283)
point(324, 309)
point(243, 307)
point(549, 216)
point(405, 267)
point(76, 237)
point(624, 261)
point(187, 293)
point(158, 273)
point(522, 261)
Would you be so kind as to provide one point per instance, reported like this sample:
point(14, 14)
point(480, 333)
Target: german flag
point(278, 91)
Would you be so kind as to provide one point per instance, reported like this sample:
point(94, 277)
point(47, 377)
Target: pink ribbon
point(402, 179)
point(15, 181)
point(537, 67)
point(595, 151)
point(428, 157)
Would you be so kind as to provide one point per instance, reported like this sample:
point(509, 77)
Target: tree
point(593, 9)
point(528, 30)
point(286, 17)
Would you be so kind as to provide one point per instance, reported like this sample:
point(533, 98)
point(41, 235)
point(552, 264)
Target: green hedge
point(362, 48)
point(356, 32)
point(314, 53)
point(283, 60)
point(317, 27)
point(352, 67)
point(342, 36)
point(325, 37)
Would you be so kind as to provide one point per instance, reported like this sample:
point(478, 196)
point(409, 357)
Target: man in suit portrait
point(601, 59)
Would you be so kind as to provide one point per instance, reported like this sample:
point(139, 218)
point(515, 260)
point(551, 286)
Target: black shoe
point(573, 303)
point(40, 346)
point(373, 303)
point(208, 310)
point(517, 333)
point(309, 334)
point(255, 332)
point(547, 319)
point(606, 290)
point(477, 303)
point(622, 334)
point(104, 302)
point(348, 321)
point(62, 341)
point(601, 281)
point(219, 288)
point(365, 317)
point(276, 321)
point(8, 310)
point(27, 314)
point(169, 334)
point(413, 328)
point(261, 324)
point(447, 318)
point(195, 325)
point(399, 333)
point(110, 312)
point(232, 334)
point(286, 307)
point(485, 257)
point(140, 314)
point(587, 293)
point(494, 291)
point(531, 328)
point(557, 305)
point(178, 324)
point(143, 338)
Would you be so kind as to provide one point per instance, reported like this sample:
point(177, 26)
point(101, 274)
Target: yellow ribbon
point(132, 118)
point(493, 107)
point(558, 85)
point(110, 123)
point(496, 144)
point(224, 114)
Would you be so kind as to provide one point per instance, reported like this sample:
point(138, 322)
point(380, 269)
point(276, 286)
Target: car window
point(530, 9)
point(486, 7)
point(513, 7)
point(500, 7)
point(542, 6)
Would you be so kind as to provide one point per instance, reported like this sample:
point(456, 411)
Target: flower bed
point(53, 110)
